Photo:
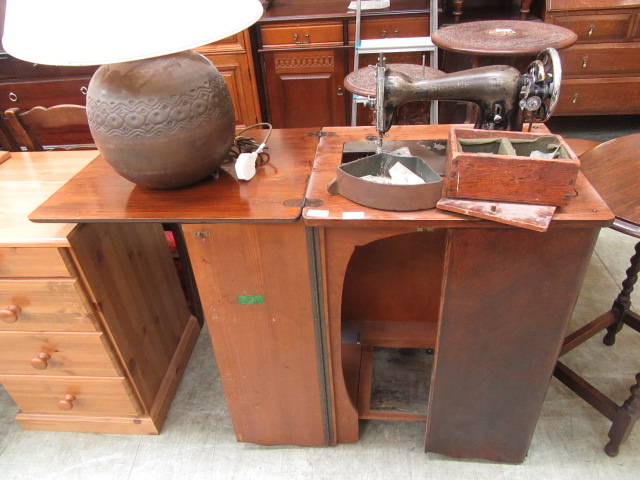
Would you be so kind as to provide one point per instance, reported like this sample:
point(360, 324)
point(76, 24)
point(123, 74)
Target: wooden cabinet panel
point(598, 97)
point(46, 305)
point(261, 323)
point(601, 72)
point(635, 33)
point(233, 69)
point(11, 67)
point(601, 59)
point(397, 26)
point(147, 320)
point(54, 354)
point(509, 412)
point(233, 59)
point(302, 34)
point(590, 28)
point(89, 396)
point(587, 4)
point(26, 94)
point(305, 88)
point(32, 262)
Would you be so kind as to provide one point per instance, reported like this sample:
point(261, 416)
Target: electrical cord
point(249, 145)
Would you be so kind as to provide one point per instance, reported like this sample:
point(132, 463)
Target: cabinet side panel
point(254, 282)
point(508, 298)
point(134, 283)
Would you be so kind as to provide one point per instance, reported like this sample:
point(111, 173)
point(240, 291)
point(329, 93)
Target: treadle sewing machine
point(505, 98)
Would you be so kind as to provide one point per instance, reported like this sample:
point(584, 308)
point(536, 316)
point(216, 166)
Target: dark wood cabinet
point(305, 87)
point(26, 85)
point(601, 71)
point(306, 50)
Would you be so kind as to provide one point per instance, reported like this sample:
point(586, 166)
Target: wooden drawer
point(87, 396)
point(390, 27)
point(54, 354)
point(612, 27)
point(46, 93)
point(44, 306)
point(32, 262)
point(13, 68)
point(302, 34)
point(601, 60)
point(601, 96)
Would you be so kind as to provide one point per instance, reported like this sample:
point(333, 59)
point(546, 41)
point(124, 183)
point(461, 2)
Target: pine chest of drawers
point(95, 332)
point(601, 72)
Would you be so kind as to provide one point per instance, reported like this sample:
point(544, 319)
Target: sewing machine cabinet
point(299, 289)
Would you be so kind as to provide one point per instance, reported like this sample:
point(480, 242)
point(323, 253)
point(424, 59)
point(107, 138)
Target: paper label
point(317, 213)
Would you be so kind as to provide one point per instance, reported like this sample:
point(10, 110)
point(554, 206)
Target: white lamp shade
point(96, 32)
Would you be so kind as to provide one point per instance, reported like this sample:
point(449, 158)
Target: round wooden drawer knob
point(41, 361)
point(10, 314)
point(67, 402)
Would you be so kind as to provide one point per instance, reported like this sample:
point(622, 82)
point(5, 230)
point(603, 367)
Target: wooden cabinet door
point(235, 71)
point(258, 304)
point(304, 88)
point(233, 58)
point(498, 346)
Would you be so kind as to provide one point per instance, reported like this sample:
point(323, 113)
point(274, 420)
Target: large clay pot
point(164, 122)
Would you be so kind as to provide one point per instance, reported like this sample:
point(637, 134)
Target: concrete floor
point(198, 442)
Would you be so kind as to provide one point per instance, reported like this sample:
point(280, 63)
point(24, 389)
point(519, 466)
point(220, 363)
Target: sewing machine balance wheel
point(542, 85)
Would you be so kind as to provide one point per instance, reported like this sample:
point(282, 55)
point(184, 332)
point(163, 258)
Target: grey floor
point(198, 440)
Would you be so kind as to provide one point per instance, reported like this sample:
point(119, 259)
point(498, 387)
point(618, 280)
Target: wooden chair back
point(58, 127)
point(7, 141)
point(613, 168)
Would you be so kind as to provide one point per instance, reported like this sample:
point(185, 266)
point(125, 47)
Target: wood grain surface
point(99, 194)
point(585, 209)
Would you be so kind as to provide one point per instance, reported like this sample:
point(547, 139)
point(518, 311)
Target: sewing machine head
point(505, 97)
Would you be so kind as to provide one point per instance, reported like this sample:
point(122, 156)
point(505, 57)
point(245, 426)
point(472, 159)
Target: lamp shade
point(98, 32)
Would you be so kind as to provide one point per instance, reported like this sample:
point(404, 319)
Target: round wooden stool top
point(363, 81)
point(503, 37)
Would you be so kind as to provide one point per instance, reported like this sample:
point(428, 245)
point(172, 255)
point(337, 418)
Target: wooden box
point(496, 165)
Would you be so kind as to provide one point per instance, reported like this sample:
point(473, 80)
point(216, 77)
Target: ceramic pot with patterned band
point(164, 122)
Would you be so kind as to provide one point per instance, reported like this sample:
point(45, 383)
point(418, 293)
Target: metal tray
point(350, 184)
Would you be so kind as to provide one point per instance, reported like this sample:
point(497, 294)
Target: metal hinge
point(320, 133)
point(202, 235)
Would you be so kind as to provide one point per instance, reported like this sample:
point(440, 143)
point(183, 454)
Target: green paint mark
point(250, 299)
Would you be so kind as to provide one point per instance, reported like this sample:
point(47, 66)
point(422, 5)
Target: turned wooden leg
point(525, 8)
point(622, 304)
point(457, 10)
point(624, 420)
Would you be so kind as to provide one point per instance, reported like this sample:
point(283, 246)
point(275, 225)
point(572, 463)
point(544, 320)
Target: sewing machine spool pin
point(381, 70)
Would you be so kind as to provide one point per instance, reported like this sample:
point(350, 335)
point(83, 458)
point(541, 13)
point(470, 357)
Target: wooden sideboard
point(306, 49)
point(25, 85)
point(95, 332)
point(283, 286)
point(601, 72)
